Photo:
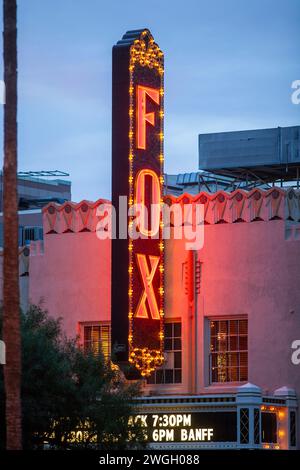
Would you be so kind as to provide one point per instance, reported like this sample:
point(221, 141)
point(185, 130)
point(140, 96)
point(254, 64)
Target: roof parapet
point(219, 207)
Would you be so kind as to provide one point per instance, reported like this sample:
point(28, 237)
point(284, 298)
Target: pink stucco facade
point(248, 268)
point(71, 278)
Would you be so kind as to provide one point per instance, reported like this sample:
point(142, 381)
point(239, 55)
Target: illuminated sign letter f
point(142, 116)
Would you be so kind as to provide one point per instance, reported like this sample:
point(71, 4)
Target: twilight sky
point(229, 65)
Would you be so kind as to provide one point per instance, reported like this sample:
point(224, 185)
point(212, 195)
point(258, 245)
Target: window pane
point(233, 327)
point(177, 360)
point(95, 333)
point(228, 349)
point(96, 338)
point(177, 330)
point(233, 374)
point(168, 344)
point(151, 379)
point(221, 342)
point(214, 375)
point(213, 328)
point(213, 343)
point(222, 363)
point(96, 348)
point(223, 327)
point(159, 376)
point(177, 344)
point(233, 359)
point(87, 333)
point(177, 374)
point(169, 376)
point(243, 374)
point(243, 343)
point(168, 330)
point(214, 360)
point(222, 374)
point(172, 343)
point(222, 360)
point(243, 358)
point(243, 327)
point(233, 343)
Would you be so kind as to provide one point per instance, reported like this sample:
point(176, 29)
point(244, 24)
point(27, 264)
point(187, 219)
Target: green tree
point(67, 393)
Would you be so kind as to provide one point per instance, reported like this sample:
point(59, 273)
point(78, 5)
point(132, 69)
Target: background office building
point(35, 190)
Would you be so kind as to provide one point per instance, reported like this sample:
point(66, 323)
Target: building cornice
point(219, 207)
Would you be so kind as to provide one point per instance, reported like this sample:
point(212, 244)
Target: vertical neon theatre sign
point(137, 172)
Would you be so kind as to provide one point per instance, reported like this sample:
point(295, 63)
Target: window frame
point(227, 318)
point(91, 324)
point(171, 321)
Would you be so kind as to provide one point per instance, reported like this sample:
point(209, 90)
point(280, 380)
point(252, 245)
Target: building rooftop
point(265, 155)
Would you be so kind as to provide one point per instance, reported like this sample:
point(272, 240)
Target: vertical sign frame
point(137, 291)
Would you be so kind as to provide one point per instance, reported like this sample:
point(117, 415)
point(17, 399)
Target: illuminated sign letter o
point(155, 202)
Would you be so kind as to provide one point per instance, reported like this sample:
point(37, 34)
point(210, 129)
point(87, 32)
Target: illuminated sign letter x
point(148, 293)
point(142, 116)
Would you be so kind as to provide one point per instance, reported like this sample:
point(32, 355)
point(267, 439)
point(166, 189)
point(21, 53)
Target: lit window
point(228, 350)
point(171, 371)
point(96, 338)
